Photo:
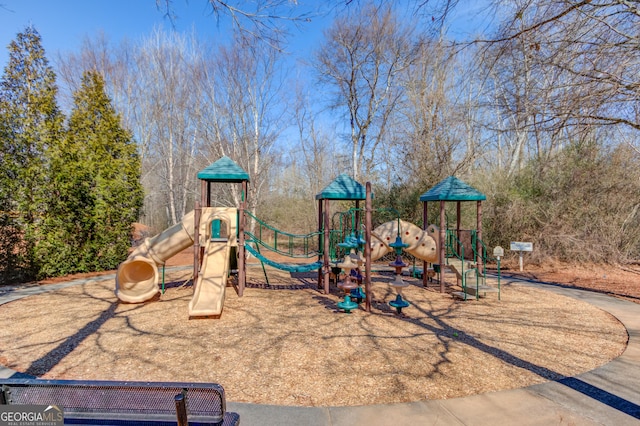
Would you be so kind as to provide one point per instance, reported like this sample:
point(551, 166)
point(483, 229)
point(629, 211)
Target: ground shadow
point(578, 385)
point(46, 363)
point(602, 396)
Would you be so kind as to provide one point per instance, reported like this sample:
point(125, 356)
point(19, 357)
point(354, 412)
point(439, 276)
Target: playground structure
point(464, 258)
point(137, 277)
point(215, 236)
point(220, 238)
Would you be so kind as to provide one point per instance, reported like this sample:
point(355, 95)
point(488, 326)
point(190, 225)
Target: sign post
point(498, 252)
point(521, 247)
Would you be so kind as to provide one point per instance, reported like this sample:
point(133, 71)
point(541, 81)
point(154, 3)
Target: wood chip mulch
point(286, 343)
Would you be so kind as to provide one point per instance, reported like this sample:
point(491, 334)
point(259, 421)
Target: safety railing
point(456, 248)
point(285, 243)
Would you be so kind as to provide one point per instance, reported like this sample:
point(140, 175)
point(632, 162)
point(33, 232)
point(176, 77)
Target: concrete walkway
point(609, 395)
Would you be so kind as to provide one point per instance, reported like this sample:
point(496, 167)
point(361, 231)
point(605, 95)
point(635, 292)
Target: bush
point(581, 207)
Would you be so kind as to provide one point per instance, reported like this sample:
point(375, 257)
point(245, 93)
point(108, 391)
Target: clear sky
point(63, 24)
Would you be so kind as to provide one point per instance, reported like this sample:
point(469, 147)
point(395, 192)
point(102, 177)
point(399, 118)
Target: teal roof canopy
point(223, 170)
point(344, 187)
point(452, 189)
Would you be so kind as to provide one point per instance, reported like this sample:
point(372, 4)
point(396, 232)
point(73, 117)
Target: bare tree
point(582, 56)
point(164, 61)
point(150, 84)
point(264, 21)
point(438, 132)
point(560, 70)
point(514, 85)
point(316, 146)
point(246, 94)
point(361, 59)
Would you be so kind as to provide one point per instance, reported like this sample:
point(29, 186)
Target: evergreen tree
point(97, 190)
point(31, 124)
point(9, 235)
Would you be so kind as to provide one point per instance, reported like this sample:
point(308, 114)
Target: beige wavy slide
point(137, 277)
point(423, 244)
point(208, 294)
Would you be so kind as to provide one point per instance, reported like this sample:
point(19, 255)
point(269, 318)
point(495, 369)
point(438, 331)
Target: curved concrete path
point(609, 395)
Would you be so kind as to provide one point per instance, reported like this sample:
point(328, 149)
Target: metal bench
point(124, 403)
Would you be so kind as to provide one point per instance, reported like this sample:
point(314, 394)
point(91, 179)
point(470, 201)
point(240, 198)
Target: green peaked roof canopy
point(452, 189)
point(344, 187)
point(223, 170)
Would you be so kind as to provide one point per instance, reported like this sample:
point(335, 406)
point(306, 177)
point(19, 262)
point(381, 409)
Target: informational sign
point(520, 246)
point(498, 252)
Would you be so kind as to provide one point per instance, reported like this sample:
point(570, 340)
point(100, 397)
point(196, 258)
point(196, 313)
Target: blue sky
point(63, 24)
